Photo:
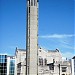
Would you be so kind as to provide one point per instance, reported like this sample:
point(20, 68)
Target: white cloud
point(59, 36)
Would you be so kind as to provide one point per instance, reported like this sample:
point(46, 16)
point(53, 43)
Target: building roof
point(73, 57)
point(53, 50)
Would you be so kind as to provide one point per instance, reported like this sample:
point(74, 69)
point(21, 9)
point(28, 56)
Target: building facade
point(49, 62)
point(11, 65)
point(7, 65)
point(3, 64)
point(20, 61)
point(62, 68)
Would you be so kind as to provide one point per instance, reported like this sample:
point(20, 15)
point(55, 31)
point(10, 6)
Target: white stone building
point(49, 62)
point(20, 61)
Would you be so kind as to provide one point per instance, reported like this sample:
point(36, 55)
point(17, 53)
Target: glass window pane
point(0, 56)
point(5, 56)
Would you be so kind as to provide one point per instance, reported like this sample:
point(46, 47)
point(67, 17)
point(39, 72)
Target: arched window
point(63, 74)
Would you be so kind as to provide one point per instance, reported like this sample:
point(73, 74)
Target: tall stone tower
point(32, 38)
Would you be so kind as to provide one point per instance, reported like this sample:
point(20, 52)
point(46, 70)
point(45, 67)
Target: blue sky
point(56, 25)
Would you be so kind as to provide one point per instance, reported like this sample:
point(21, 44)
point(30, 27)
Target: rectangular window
point(0, 56)
point(29, 10)
point(40, 61)
point(12, 67)
point(64, 69)
point(3, 65)
point(29, 2)
point(6, 56)
point(51, 66)
point(45, 61)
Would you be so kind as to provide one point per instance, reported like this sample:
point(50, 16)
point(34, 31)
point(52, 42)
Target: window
point(64, 69)
point(12, 67)
point(5, 56)
point(19, 65)
point(51, 66)
point(53, 60)
point(3, 65)
point(39, 50)
point(45, 60)
point(34, 2)
point(2, 56)
point(40, 61)
point(31, 2)
point(29, 10)
point(37, 0)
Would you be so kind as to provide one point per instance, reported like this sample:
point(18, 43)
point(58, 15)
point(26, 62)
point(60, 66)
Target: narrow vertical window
point(53, 60)
point(45, 61)
point(31, 2)
point(34, 2)
point(29, 10)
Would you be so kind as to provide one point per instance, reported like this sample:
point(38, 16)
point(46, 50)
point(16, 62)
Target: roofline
point(73, 57)
point(3, 54)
